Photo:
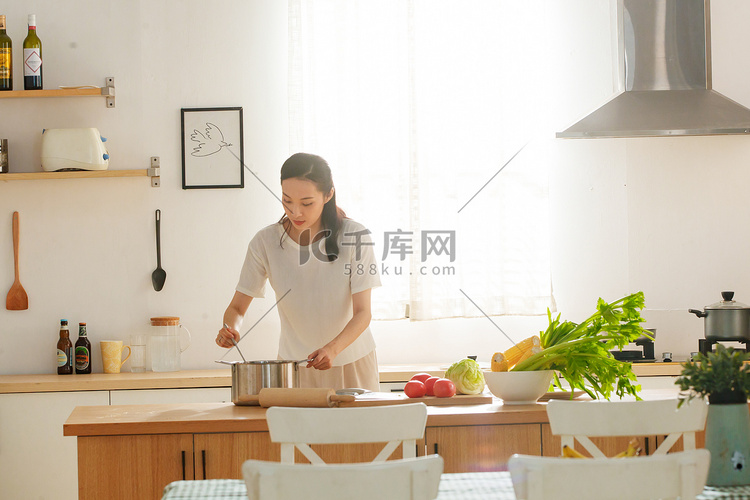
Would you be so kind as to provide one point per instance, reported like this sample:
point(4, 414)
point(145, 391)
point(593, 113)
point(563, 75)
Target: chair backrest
point(579, 420)
point(392, 424)
point(680, 474)
point(404, 479)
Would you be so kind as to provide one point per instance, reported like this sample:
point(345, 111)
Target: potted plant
point(723, 378)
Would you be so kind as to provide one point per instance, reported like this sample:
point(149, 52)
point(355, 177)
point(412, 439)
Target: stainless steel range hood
point(664, 74)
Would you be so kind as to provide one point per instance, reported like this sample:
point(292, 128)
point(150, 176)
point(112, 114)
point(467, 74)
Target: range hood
point(664, 76)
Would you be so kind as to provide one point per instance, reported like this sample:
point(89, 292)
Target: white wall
point(665, 216)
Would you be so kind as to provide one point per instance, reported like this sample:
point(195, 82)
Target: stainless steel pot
point(249, 377)
point(726, 320)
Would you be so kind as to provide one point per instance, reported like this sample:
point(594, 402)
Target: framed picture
point(212, 150)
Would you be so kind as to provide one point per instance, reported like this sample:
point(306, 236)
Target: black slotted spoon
point(159, 276)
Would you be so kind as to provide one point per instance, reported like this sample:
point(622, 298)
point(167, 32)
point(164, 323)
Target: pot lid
point(727, 303)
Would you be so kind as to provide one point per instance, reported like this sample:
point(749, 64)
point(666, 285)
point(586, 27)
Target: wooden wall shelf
point(107, 91)
point(76, 174)
point(51, 93)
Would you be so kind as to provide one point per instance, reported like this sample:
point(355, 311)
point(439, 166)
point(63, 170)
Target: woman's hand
point(233, 316)
point(322, 359)
point(225, 336)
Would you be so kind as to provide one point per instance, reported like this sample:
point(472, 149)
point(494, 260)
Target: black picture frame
point(211, 138)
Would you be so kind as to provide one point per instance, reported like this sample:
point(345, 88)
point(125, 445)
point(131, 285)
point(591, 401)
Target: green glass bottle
point(6, 58)
point(32, 58)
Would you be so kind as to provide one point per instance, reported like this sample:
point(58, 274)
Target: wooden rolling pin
point(305, 398)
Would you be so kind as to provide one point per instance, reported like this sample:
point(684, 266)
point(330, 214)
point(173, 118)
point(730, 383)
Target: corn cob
point(568, 452)
point(499, 363)
point(514, 353)
point(535, 349)
point(633, 450)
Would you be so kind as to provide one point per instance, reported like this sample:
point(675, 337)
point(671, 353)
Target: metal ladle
point(235, 344)
point(159, 276)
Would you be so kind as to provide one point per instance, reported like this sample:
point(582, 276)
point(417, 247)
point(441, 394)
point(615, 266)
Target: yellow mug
point(112, 355)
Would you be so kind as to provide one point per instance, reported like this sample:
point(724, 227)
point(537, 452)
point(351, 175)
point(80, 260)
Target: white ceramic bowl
point(519, 388)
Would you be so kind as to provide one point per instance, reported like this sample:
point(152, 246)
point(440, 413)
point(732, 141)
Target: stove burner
point(631, 356)
point(645, 355)
point(705, 345)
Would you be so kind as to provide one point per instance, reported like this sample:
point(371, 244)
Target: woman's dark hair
point(315, 169)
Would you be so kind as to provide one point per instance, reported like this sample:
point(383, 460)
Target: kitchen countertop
point(227, 417)
point(221, 377)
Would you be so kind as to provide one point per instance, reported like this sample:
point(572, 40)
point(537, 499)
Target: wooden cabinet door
point(610, 446)
point(475, 448)
point(126, 467)
point(36, 460)
point(220, 455)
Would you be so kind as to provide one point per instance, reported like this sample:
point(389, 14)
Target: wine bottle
point(32, 58)
point(6, 59)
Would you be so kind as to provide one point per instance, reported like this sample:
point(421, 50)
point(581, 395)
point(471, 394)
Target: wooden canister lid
point(165, 321)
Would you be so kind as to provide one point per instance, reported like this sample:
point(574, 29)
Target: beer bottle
point(83, 351)
point(64, 350)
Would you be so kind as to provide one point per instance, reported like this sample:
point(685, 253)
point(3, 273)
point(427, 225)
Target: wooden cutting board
point(389, 398)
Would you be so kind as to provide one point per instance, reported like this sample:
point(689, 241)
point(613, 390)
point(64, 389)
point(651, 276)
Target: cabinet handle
point(435, 445)
point(203, 459)
point(647, 450)
point(183, 465)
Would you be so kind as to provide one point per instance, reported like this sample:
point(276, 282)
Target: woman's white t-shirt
point(317, 294)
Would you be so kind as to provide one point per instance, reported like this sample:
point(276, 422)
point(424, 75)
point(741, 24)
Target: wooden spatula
point(17, 299)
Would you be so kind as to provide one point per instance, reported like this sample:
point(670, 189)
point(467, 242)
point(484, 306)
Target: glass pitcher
point(166, 345)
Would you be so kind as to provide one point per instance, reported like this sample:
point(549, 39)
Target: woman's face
point(303, 203)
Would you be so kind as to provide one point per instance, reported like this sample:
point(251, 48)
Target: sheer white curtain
point(417, 106)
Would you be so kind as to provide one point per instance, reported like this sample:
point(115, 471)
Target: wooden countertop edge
point(139, 428)
point(201, 418)
point(220, 377)
point(10, 384)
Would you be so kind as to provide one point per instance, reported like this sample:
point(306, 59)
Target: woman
point(322, 267)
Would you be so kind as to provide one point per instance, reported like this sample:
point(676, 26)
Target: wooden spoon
point(17, 300)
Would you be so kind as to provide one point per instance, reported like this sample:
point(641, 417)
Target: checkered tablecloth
point(464, 486)
point(725, 493)
point(206, 489)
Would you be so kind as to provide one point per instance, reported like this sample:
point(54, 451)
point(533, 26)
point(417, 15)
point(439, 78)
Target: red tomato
point(429, 383)
point(415, 389)
point(444, 388)
point(421, 377)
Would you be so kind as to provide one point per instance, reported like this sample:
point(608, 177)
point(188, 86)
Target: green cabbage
point(467, 376)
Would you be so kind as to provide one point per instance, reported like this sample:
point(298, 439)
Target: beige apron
point(362, 373)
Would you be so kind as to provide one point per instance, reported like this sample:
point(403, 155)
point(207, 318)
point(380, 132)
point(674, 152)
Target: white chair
point(579, 420)
point(674, 475)
point(392, 424)
point(405, 479)
point(660, 475)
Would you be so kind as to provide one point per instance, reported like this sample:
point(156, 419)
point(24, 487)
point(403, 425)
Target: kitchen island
point(39, 404)
point(141, 448)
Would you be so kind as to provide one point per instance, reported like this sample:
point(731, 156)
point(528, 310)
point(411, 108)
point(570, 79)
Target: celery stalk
point(579, 352)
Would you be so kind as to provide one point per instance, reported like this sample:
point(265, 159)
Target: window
point(418, 106)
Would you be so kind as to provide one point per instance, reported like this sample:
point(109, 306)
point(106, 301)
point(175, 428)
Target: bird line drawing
point(209, 142)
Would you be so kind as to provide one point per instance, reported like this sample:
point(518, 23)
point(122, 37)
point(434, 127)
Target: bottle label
point(62, 358)
point(4, 62)
point(82, 358)
point(32, 62)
